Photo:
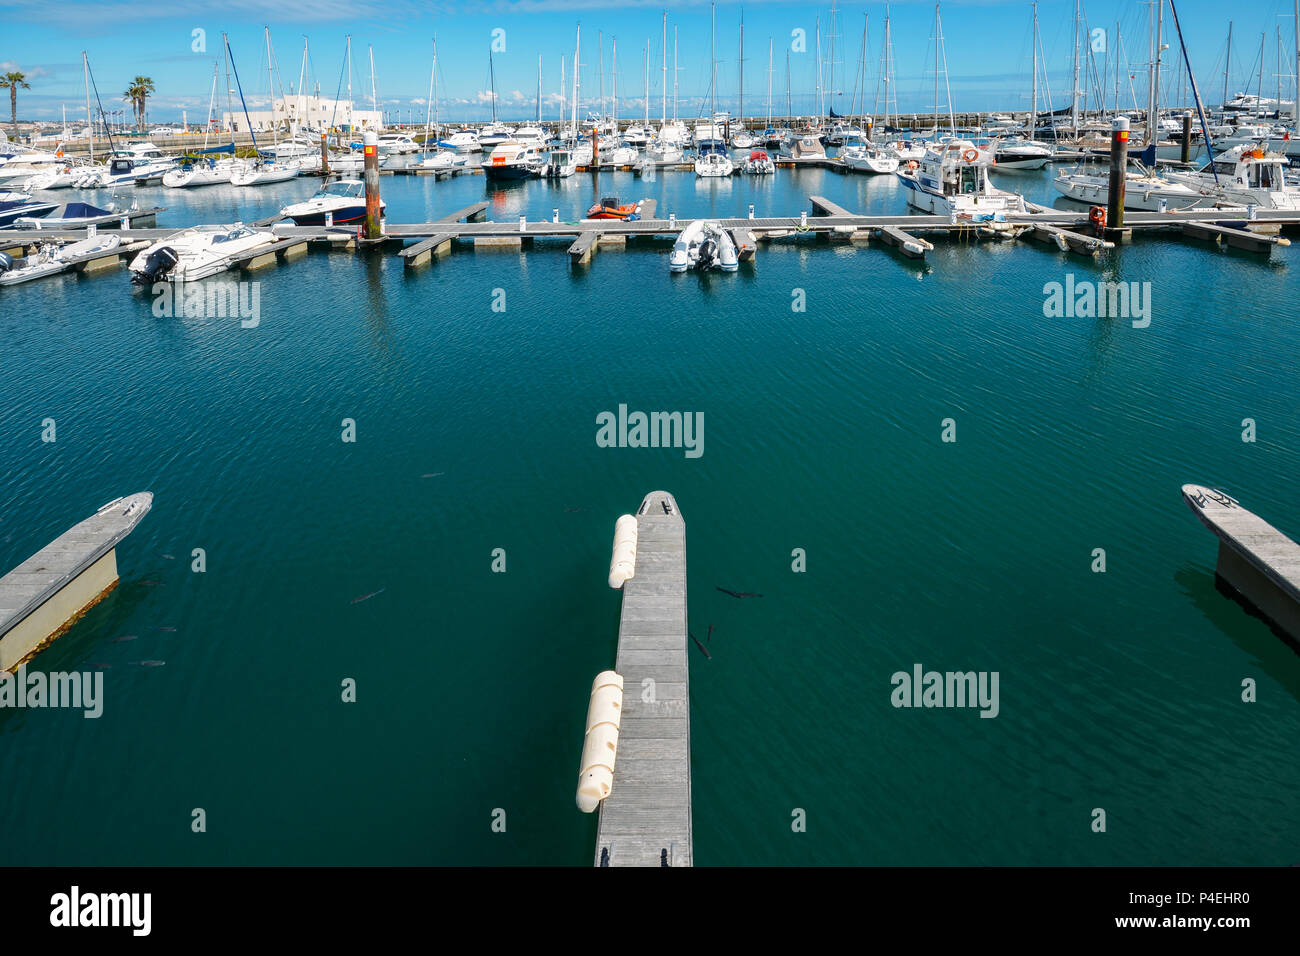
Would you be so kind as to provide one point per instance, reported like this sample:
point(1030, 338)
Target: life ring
point(911, 164)
point(970, 155)
point(1097, 216)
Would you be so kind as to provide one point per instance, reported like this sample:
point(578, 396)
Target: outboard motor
point(160, 262)
point(708, 254)
point(6, 262)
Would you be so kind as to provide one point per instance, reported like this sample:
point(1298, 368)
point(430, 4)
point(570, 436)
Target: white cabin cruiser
point(493, 135)
point(396, 143)
point(513, 160)
point(464, 141)
point(196, 253)
point(560, 164)
point(444, 159)
point(703, 245)
point(857, 154)
point(1143, 190)
point(1015, 152)
point(1246, 174)
point(805, 144)
point(341, 203)
point(953, 180)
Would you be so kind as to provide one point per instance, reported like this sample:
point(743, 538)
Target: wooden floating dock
point(47, 593)
point(646, 819)
point(1069, 230)
point(1256, 560)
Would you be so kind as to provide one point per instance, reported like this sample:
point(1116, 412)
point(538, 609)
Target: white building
point(305, 111)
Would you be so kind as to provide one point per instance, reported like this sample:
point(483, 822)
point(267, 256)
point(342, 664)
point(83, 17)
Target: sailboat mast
point(1074, 83)
point(90, 119)
point(645, 84)
point(713, 62)
point(889, 65)
point(1033, 96)
point(821, 100)
point(351, 118)
point(374, 97)
point(742, 69)
point(1155, 103)
point(492, 78)
point(1259, 86)
point(302, 81)
point(676, 68)
point(270, 79)
point(664, 119)
point(613, 68)
point(936, 71)
point(1227, 63)
point(428, 104)
point(539, 89)
point(769, 82)
point(577, 50)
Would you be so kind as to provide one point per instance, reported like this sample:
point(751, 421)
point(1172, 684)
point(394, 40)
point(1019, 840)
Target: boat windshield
point(346, 190)
point(238, 233)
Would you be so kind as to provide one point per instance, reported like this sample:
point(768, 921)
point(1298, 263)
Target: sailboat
point(446, 155)
point(666, 147)
point(742, 138)
point(266, 169)
point(1018, 152)
point(713, 160)
point(495, 133)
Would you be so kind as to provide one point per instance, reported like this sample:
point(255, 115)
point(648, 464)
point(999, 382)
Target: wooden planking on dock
point(1257, 559)
point(1068, 241)
point(1236, 237)
point(583, 248)
point(646, 819)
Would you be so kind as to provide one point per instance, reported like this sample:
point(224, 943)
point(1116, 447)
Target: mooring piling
point(374, 209)
point(1115, 231)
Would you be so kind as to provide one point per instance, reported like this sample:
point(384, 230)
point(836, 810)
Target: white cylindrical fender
point(622, 564)
point(600, 747)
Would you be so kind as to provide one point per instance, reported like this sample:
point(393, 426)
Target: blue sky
point(987, 43)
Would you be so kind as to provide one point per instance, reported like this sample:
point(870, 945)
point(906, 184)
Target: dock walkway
point(646, 819)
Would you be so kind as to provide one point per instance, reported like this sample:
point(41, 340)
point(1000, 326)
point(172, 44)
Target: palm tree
point(12, 82)
point(137, 94)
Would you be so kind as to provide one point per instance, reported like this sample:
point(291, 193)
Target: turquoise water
point(1118, 690)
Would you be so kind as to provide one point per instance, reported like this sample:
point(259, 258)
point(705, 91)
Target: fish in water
point(124, 637)
point(433, 474)
point(164, 628)
point(169, 557)
point(739, 594)
point(709, 636)
point(701, 646)
point(149, 663)
point(367, 597)
point(152, 584)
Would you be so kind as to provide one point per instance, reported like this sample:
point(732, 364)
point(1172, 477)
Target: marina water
point(475, 431)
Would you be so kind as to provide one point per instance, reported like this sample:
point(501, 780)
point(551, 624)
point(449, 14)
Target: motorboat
point(530, 136)
point(840, 132)
point(560, 164)
point(70, 215)
point(464, 141)
point(396, 143)
point(25, 207)
point(20, 167)
point(51, 258)
point(196, 253)
point(1246, 174)
point(859, 155)
point(953, 180)
point(610, 208)
point(512, 160)
point(637, 136)
point(715, 129)
point(703, 245)
point(1143, 190)
point(806, 144)
point(1014, 152)
point(264, 172)
point(759, 163)
point(713, 161)
point(340, 203)
point(674, 132)
point(493, 135)
point(444, 159)
point(63, 176)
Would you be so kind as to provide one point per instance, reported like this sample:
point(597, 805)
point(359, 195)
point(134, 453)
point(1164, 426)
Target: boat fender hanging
point(600, 745)
point(622, 563)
